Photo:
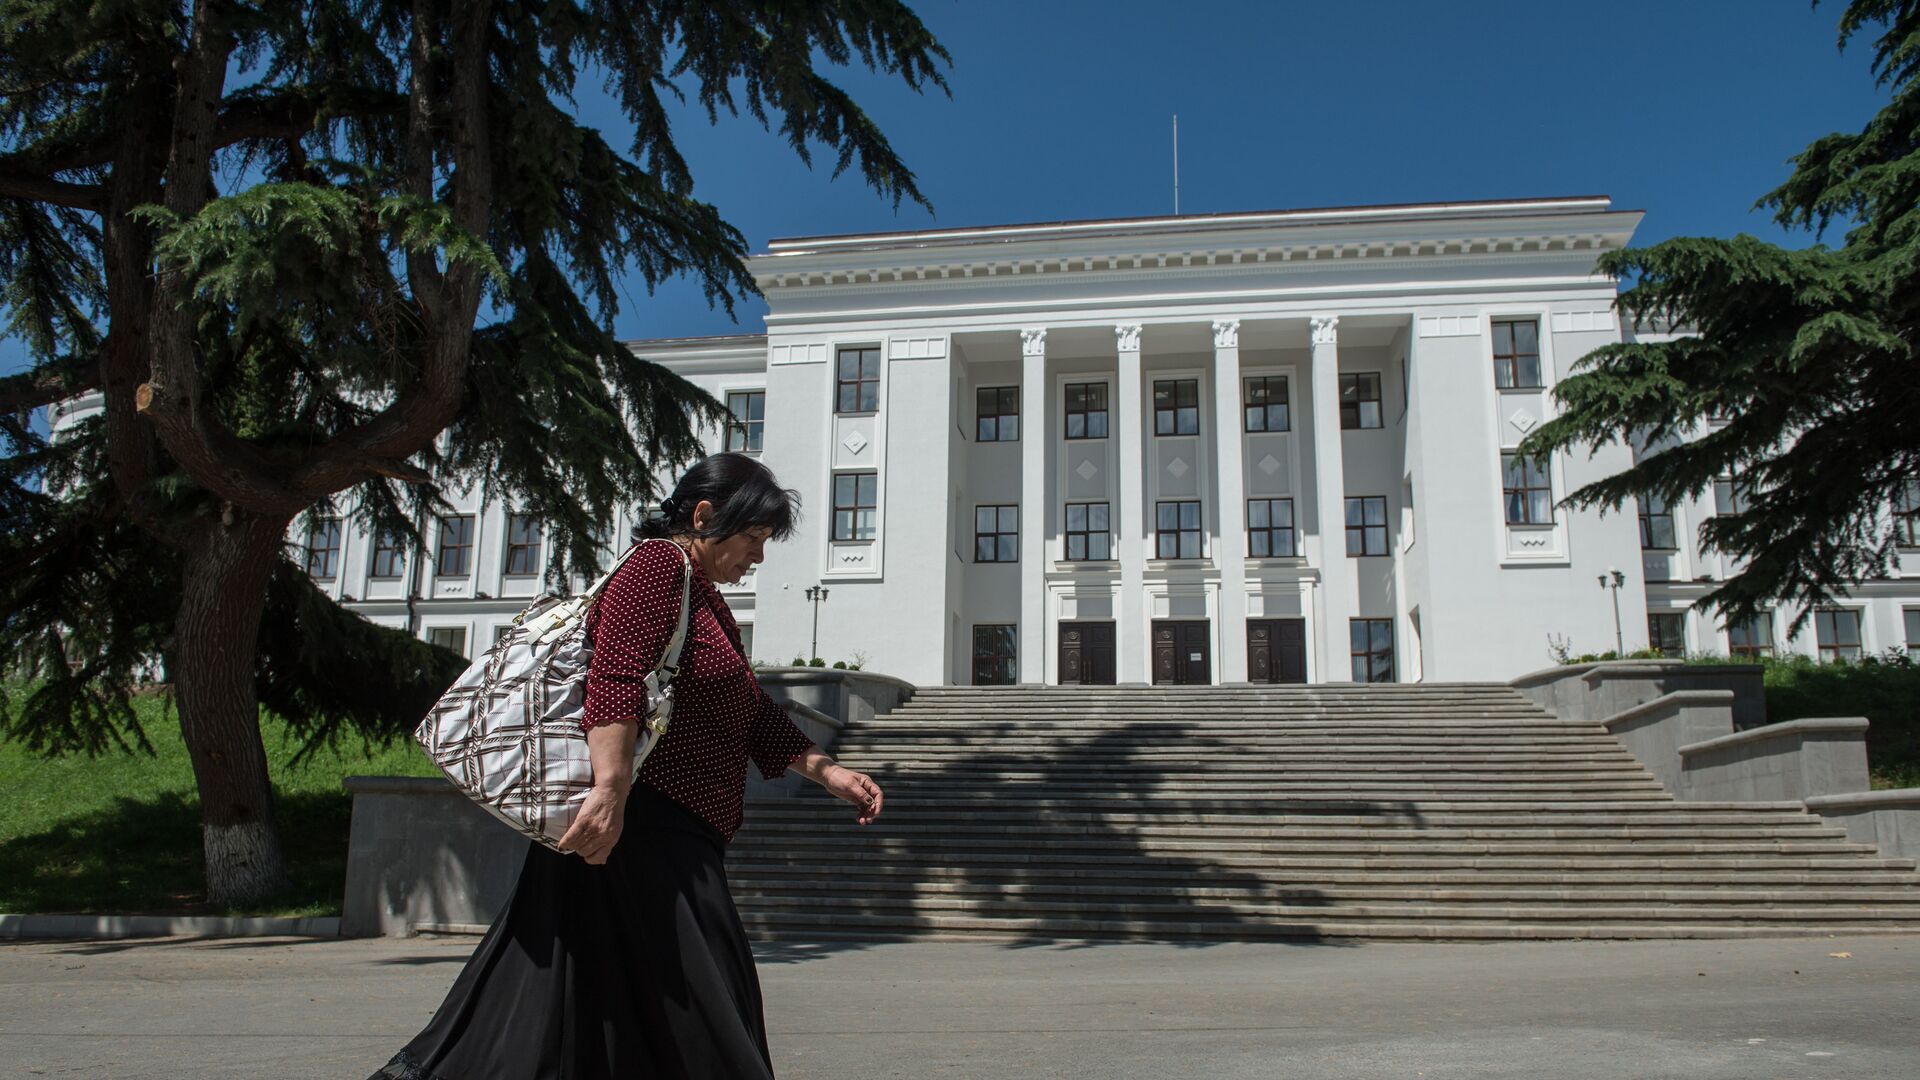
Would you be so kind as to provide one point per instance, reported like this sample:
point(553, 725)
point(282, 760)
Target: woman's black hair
point(744, 495)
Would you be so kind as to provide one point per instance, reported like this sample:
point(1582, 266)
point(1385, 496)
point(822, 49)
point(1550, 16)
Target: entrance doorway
point(1277, 650)
point(1183, 652)
point(1087, 654)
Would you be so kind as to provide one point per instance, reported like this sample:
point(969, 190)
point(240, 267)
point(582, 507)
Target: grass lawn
point(121, 833)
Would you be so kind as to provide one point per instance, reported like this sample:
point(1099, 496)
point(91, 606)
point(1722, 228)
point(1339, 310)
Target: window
point(749, 424)
point(456, 546)
point(858, 385)
point(449, 637)
point(746, 640)
point(1086, 410)
point(1656, 524)
point(996, 534)
point(1176, 407)
point(323, 549)
point(1089, 532)
point(501, 630)
point(1360, 400)
point(855, 497)
point(1177, 531)
point(994, 660)
point(1730, 495)
point(1372, 648)
point(389, 556)
point(999, 418)
point(1367, 525)
point(523, 545)
point(1529, 496)
point(1751, 637)
point(1266, 404)
point(1838, 631)
point(1270, 528)
point(1906, 514)
point(1667, 633)
point(1516, 354)
point(1912, 616)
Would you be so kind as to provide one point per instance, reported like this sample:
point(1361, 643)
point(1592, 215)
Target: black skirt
point(635, 968)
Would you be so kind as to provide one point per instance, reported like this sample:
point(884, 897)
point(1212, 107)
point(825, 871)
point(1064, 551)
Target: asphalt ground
point(293, 1009)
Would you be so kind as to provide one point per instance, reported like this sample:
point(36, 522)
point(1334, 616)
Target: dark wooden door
point(1182, 653)
point(1277, 650)
point(1087, 654)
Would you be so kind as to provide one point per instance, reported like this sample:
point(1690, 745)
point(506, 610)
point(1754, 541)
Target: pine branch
point(45, 189)
point(44, 384)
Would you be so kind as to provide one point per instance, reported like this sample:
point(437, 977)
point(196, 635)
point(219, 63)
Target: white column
point(1033, 506)
point(1230, 554)
point(1130, 516)
point(1334, 600)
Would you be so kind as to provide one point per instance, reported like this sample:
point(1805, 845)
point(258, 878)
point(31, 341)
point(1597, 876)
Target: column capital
point(1325, 329)
point(1033, 342)
point(1127, 337)
point(1226, 333)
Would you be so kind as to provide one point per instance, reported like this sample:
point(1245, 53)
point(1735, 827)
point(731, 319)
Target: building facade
point(1206, 449)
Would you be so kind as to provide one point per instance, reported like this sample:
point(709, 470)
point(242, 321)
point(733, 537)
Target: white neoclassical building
point(1225, 448)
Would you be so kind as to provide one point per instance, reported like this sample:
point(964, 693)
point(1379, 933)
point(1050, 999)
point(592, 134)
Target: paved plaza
point(293, 1009)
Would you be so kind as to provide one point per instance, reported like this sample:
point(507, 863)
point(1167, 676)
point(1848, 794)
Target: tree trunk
point(216, 639)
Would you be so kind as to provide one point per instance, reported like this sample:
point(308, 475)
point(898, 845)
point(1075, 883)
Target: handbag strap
point(670, 659)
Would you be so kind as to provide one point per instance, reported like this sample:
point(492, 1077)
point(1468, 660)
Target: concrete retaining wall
point(421, 852)
point(1655, 731)
point(1799, 759)
point(1890, 819)
point(1600, 690)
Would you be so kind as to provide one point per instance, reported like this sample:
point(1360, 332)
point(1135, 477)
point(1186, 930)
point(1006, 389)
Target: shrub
point(1886, 692)
point(817, 662)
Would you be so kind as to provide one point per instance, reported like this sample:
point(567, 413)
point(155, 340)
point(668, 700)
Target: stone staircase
point(1432, 811)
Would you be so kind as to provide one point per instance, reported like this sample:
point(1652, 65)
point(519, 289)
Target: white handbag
point(507, 732)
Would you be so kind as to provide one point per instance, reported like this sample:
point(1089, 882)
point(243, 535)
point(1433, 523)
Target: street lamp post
point(1613, 579)
point(816, 593)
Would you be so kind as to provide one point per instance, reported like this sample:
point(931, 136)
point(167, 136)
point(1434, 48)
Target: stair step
point(1149, 845)
point(1282, 911)
point(1311, 863)
point(1422, 812)
point(818, 927)
point(1263, 892)
point(821, 809)
point(756, 869)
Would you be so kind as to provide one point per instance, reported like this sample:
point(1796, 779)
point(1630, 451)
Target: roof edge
point(1171, 223)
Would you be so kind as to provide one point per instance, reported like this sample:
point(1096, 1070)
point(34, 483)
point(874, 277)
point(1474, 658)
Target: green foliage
point(1885, 690)
point(360, 210)
point(1809, 355)
point(122, 834)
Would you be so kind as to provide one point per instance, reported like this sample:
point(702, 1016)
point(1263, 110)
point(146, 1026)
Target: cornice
point(1175, 289)
point(1373, 236)
point(794, 279)
point(1402, 213)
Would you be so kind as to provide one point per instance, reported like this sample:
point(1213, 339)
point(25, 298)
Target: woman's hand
point(597, 827)
point(857, 788)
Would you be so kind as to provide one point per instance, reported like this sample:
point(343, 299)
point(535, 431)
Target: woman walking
point(623, 956)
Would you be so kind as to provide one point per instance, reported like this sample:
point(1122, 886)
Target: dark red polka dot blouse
point(721, 717)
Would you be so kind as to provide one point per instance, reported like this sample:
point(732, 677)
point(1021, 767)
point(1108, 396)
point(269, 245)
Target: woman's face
point(728, 560)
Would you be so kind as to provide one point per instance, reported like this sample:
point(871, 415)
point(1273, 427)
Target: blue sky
point(1687, 109)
